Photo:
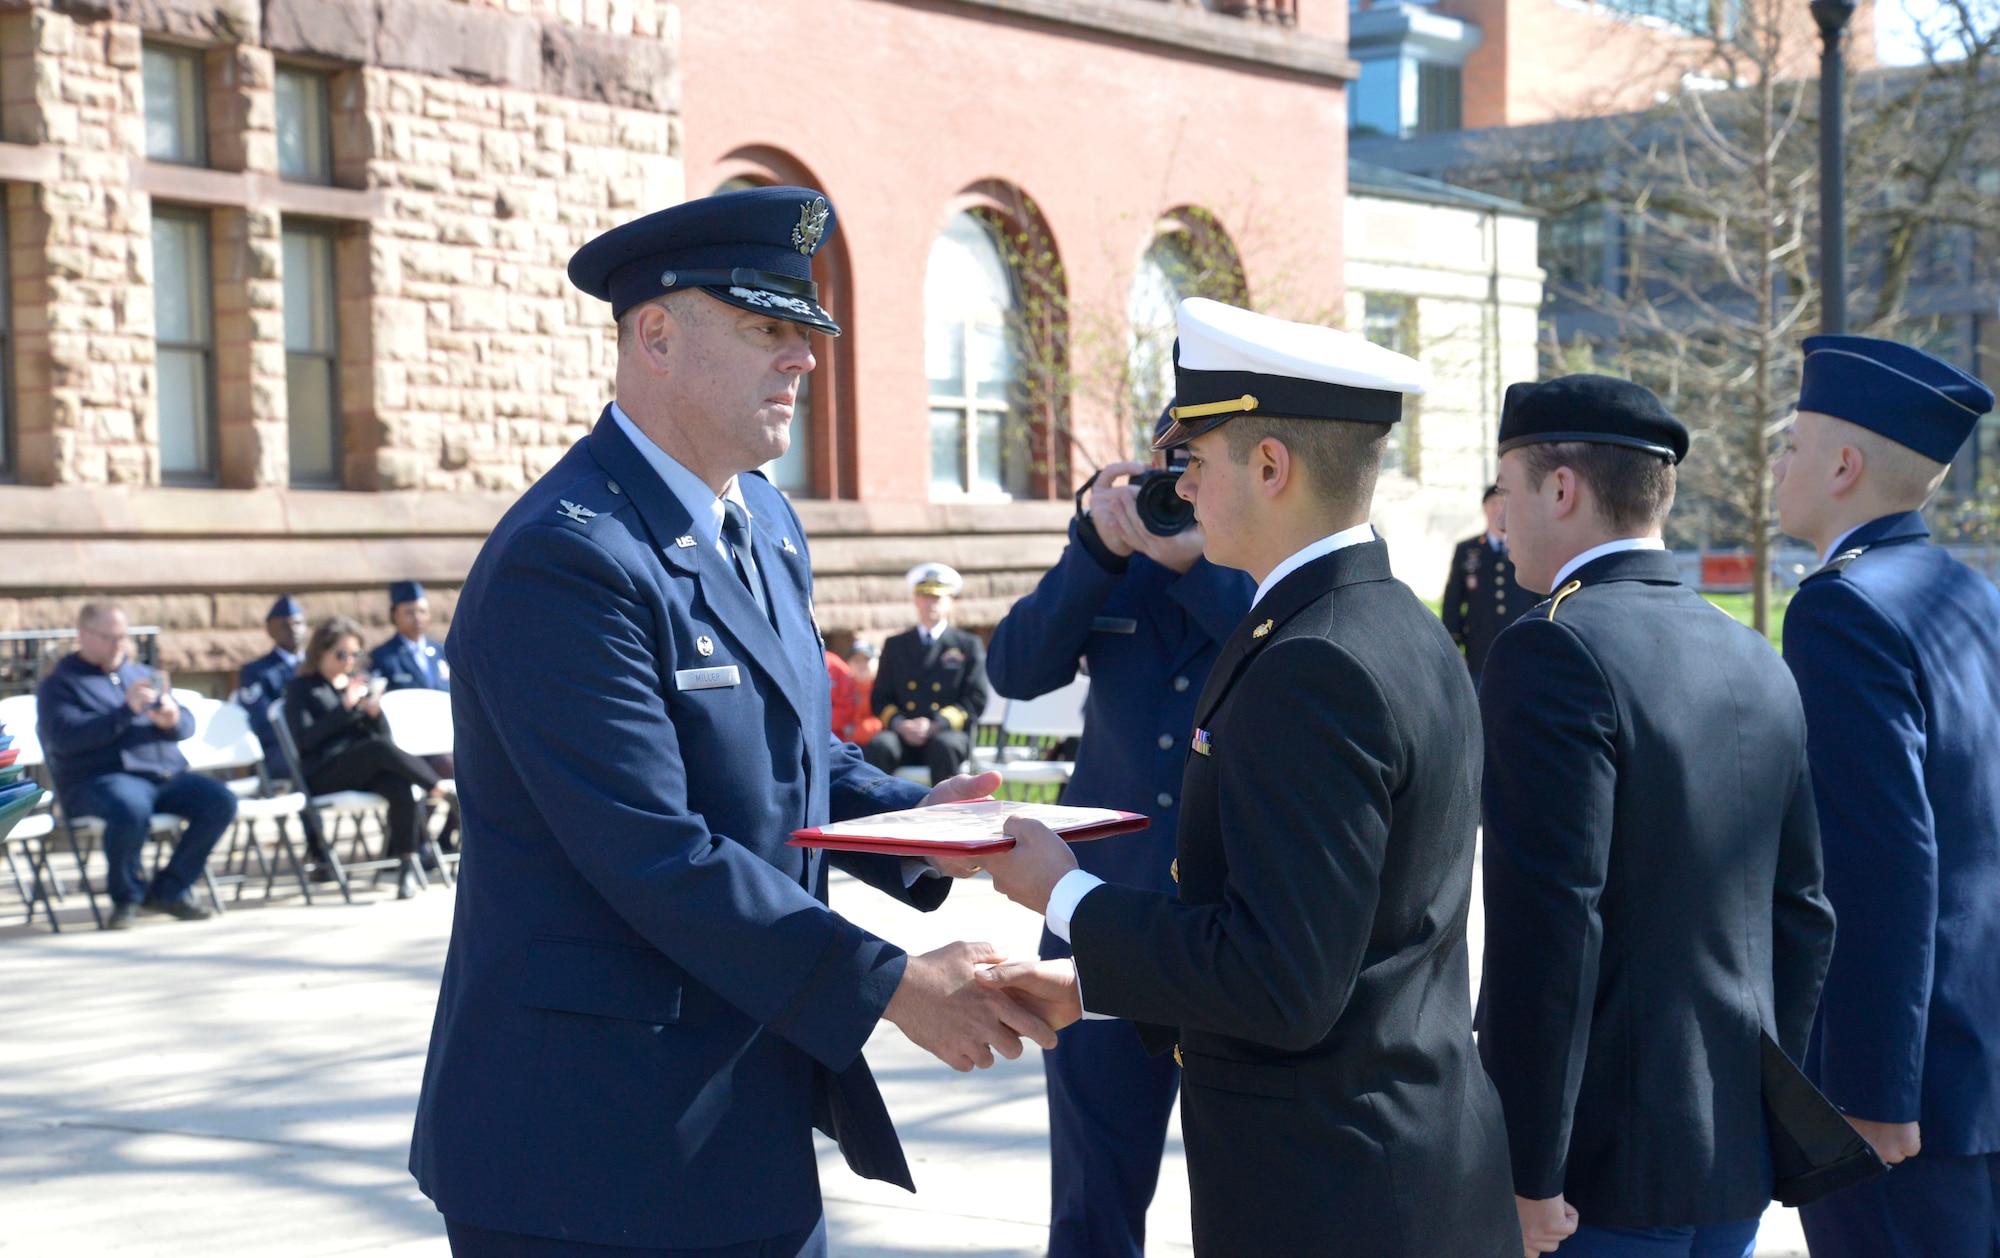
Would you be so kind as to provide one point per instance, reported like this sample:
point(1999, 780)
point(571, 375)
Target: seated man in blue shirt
point(112, 743)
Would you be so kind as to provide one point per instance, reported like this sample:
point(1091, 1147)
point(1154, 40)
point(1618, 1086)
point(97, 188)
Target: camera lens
point(1161, 508)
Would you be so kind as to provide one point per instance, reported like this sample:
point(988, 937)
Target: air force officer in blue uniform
point(647, 1005)
point(410, 660)
point(1145, 615)
point(1896, 648)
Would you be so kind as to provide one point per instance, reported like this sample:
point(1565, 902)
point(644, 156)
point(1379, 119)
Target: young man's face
point(1221, 490)
point(1807, 459)
point(288, 633)
point(1527, 515)
point(411, 618)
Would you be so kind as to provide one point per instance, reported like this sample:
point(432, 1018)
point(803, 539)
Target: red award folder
point(969, 828)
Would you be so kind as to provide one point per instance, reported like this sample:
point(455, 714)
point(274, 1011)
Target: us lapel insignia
point(1261, 630)
point(1201, 741)
point(705, 645)
point(684, 541)
point(570, 510)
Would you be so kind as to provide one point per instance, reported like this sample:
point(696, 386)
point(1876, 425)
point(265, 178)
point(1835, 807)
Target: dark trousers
point(944, 753)
point(1930, 1206)
point(468, 1241)
point(1711, 1240)
point(126, 802)
point(380, 766)
point(1109, 1102)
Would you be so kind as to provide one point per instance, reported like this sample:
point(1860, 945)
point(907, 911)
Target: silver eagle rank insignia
point(572, 511)
point(811, 226)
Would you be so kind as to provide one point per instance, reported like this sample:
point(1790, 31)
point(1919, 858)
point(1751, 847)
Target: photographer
point(335, 716)
point(1144, 614)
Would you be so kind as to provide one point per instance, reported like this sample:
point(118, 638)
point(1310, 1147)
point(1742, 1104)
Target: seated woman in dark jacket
point(344, 744)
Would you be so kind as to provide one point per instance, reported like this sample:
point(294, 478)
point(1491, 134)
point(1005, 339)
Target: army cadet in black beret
point(1482, 587)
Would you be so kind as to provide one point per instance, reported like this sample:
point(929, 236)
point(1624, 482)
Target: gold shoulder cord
point(1562, 594)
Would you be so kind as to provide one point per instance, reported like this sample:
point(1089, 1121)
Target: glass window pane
point(992, 361)
point(792, 470)
point(947, 449)
point(183, 384)
point(311, 419)
point(174, 106)
point(303, 134)
point(987, 474)
point(180, 280)
point(944, 356)
point(309, 305)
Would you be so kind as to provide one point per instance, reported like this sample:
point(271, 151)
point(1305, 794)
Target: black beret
point(1600, 409)
point(752, 248)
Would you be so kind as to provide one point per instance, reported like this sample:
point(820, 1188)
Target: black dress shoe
point(122, 916)
point(410, 883)
point(183, 907)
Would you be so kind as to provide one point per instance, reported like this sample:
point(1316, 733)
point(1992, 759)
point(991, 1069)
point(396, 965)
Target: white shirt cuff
point(916, 869)
point(1068, 893)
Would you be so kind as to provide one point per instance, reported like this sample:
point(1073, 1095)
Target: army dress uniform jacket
point(1481, 598)
point(1147, 636)
point(1897, 656)
point(945, 680)
point(1313, 968)
point(647, 1004)
point(1653, 899)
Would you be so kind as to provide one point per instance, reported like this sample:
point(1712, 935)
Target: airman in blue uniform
point(410, 660)
point(262, 681)
point(647, 1005)
point(1144, 615)
point(1896, 648)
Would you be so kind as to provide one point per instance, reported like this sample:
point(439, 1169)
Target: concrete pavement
point(245, 1087)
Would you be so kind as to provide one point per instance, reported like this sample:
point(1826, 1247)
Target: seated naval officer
point(409, 660)
point(1652, 873)
point(1144, 612)
point(647, 1005)
point(1482, 587)
point(262, 681)
point(930, 685)
point(1312, 968)
point(1896, 648)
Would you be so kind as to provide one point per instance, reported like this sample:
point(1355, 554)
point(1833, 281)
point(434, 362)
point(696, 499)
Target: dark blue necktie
point(736, 531)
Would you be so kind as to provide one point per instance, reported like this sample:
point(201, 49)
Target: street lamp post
point(1832, 16)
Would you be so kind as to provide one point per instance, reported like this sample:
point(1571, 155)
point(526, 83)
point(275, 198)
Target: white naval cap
point(1229, 361)
point(934, 578)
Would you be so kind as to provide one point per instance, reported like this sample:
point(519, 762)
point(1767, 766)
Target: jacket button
point(910, 707)
point(937, 685)
point(913, 685)
point(934, 707)
point(1180, 683)
point(1164, 800)
point(1166, 741)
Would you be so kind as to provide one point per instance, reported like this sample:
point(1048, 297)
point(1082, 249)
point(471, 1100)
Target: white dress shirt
point(1838, 542)
point(702, 503)
point(1608, 548)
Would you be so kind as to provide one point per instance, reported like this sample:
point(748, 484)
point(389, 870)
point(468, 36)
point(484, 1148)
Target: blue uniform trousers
point(468, 1241)
point(1931, 1206)
point(1713, 1240)
point(1109, 1102)
point(126, 803)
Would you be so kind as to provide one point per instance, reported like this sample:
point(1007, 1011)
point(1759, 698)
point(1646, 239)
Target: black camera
point(1161, 508)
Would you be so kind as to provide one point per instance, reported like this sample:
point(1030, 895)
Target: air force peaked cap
point(1230, 362)
point(1914, 399)
point(752, 248)
point(1603, 410)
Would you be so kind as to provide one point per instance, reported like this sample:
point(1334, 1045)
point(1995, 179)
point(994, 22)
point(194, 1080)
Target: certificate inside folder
point(963, 829)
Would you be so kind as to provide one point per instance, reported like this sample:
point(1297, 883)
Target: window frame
point(327, 237)
point(193, 112)
point(209, 437)
point(968, 405)
point(323, 84)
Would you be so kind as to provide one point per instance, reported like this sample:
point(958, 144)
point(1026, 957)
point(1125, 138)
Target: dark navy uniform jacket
point(408, 667)
point(1897, 655)
point(1147, 637)
point(945, 680)
point(647, 1005)
point(1481, 598)
point(1653, 897)
point(259, 684)
point(87, 731)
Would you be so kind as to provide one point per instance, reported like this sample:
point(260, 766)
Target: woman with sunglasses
point(344, 745)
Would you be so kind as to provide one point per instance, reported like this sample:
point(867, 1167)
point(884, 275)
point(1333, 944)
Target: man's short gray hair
point(96, 612)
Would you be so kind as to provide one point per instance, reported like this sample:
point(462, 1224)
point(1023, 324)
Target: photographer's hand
point(1177, 552)
point(1112, 508)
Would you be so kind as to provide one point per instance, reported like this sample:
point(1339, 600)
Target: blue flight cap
point(405, 592)
point(1914, 399)
point(752, 249)
point(1600, 409)
point(285, 608)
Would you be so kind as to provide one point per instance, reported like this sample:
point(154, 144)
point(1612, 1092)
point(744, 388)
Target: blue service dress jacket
point(259, 684)
point(1897, 656)
point(421, 666)
point(88, 731)
point(1147, 637)
point(647, 1004)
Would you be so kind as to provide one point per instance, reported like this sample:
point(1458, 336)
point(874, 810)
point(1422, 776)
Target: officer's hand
point(1047, 989)
point(1545, 1224)
point(1027, 872)
point(1893, 1141)
point(943, 1011)
point(915, 731)
point(1177, 552)
point(965, 786)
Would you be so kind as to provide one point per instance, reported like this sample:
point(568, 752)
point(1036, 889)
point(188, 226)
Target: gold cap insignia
point(1261, 630)
point(811, 226)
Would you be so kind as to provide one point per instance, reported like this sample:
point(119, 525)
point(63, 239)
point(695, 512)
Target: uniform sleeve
point(1801, 921)
point(1453, 606)
point(1549, 717)
point(619, 806)
point(1276, 960)
point(70, 725)
point(881, 696)
point(972, 692)
point(1865, 737)
point(1038, 642)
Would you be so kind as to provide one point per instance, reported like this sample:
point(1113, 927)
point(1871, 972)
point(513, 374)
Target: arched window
point(978, 448)
point(1161, 282)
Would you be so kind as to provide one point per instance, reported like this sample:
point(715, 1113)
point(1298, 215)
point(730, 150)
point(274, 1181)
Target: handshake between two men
point(965, 1002)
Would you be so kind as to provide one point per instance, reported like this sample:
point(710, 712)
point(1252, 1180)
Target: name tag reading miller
point(707, 678)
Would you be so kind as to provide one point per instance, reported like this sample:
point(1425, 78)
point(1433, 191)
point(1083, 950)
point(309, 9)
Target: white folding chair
point(27, 840)
point(355, 807)
point(224, 742)
point(1037, 726)
point(420, 723)
point(18, 714)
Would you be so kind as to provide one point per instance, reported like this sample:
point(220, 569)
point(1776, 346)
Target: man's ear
point(1848, 469)
point(1272, 463)
point(653, 331)
point(1563, 488)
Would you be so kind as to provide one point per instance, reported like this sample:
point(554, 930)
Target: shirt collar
point(1300, 558)
point(1608, 548)
point(1495, 542)
point(701, 502)
point(289, 658)
point(929, 635)
point(1840, 541)
point(416, 643)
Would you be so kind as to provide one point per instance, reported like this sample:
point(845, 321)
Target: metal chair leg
point(83, 873)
